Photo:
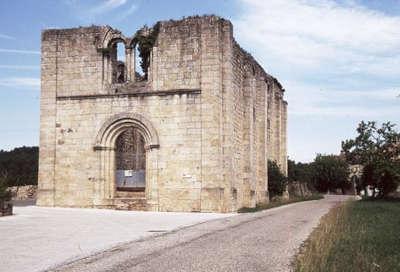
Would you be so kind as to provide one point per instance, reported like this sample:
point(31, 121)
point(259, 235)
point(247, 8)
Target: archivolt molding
point(112, 36)
point(115, 125)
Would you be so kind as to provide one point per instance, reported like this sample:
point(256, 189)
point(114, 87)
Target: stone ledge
point(148, 93)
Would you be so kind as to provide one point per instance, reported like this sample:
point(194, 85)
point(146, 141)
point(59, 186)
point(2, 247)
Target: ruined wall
point(259, 128)
point(79, 66)
point(47, 120)
point(277, 125)
point(203, 112)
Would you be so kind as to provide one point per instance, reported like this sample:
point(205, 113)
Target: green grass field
point(357, 236)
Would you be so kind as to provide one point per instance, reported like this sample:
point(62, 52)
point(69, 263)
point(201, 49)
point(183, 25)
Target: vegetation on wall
point(145, 38)
point(19, 166)
point(377, 149)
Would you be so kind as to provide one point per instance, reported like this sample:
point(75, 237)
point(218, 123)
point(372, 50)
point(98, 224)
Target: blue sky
point(339, 61)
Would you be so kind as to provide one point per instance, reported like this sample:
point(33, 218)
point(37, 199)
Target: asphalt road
point(263, 241)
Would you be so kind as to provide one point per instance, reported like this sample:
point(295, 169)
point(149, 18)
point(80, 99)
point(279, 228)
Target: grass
point(358, 236)
point(276, 203)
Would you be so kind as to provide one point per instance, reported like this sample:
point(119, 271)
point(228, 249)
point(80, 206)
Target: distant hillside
point(20, 165)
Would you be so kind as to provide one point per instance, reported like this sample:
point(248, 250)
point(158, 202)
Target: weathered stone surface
point(23, 192)
point(210, 117)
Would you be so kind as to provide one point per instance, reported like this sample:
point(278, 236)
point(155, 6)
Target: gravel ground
point(37, 238)
point(263, 241)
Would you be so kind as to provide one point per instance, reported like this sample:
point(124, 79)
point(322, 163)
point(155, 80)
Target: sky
point(339, 61)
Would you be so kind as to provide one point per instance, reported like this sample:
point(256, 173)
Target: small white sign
point(128, 173)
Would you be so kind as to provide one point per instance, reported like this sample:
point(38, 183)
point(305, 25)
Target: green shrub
point(277, 181)
point(5, 194)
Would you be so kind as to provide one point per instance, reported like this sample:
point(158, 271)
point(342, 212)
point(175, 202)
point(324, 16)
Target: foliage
point(277, 181)
point(330, 172)
point(19, 166)
point(5, 194)
point(145, 39)
point(378, 150)
point(301, 172)
point(279, 202)
point(358, 236)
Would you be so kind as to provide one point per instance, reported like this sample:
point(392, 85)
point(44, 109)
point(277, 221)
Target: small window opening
point(118, 62)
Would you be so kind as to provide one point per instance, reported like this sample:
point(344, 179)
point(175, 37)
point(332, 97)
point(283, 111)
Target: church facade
point(177, 117)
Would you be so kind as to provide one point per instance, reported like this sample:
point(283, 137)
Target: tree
point(21, 165)
point(300, 178)
point(378, 150)
point(330, 172)
point(277, 181)
point(300, 172)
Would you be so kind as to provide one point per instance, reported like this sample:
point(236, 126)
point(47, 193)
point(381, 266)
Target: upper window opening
point(118, 59)
point(145, 39)
point(121, 51)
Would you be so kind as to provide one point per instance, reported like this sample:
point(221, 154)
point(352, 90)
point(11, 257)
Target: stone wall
point(23, 192)
point(298, 189)
point(210, 116)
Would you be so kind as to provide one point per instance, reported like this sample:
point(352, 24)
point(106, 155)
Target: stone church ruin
point(188, 128)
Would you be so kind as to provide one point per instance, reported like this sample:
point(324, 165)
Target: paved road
point(37, 238)
point(264, 241)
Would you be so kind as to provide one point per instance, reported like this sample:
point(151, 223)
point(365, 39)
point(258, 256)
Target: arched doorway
point(130, 161)
point(131, 139)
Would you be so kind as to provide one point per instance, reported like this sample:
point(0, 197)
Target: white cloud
point(321, 34)
point(338, 62)
point(89, 13)
point(6, 37)
point(309, 100)
point(20, 82)
point(127, 12)
point(17, 51)
point(106, 6)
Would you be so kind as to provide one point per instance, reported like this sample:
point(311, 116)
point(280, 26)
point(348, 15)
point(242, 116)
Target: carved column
point(132, 64)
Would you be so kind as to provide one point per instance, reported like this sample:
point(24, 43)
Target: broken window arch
point(127, 63)
point(127, 59)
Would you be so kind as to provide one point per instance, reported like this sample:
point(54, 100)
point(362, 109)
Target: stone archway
point(106, 146)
